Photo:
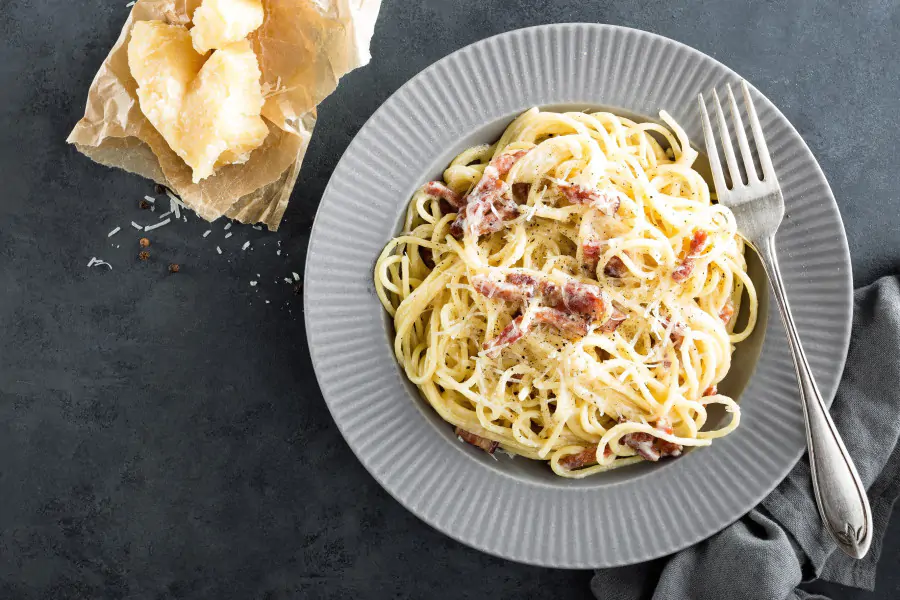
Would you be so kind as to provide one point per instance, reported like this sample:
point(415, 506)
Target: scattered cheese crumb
point(164, 215)
point(245, 246)
point(278, 252)
point(160, 224)
point(113, 232)
point(296, 277)
point(288, 280)
point(228, 235)
point(267, 301)
point(207, 232)
point(227, 226)
point(150, 199)
point(130, 4)
point(252, 284)
point(96, 262)
point(136, 226)
point(219, 250)
point(257, 227)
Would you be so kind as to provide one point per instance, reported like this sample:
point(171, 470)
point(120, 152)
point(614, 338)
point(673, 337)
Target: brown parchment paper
point(304, 47)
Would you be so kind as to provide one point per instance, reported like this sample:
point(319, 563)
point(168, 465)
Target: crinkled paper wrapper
point(304, 47)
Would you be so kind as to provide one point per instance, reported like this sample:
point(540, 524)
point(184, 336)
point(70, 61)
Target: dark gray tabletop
point(162, 436)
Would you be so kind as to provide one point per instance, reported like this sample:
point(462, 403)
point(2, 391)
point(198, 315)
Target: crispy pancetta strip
point(650, 447)
point(614, 321)
point(585, 458)
point(440, 190)
point(485, 444)
point(605, 200)
point(698, 243)
point(615, 268)
point(489, 205)
point(510, 335)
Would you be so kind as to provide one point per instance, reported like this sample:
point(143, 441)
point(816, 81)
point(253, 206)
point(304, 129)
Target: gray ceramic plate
point(517, 508)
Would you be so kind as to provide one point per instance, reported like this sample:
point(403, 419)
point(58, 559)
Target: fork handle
point(839, 492)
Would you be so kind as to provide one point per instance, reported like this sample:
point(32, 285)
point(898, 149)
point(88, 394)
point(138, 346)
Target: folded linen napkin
point(766, 554)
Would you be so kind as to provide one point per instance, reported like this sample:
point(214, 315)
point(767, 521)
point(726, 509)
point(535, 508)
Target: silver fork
point(758, 207)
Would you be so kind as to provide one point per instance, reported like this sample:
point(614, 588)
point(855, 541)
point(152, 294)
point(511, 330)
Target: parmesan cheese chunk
point(218, 23)
point(163, 62)
point(207, 109)
point(220, 119)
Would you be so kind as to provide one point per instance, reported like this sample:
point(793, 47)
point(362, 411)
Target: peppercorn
point(144, 255)
point(144, 242)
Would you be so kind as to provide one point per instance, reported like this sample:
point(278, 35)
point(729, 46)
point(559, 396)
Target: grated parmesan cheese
point(296, 277)
point(136, 226)
point(252, 284)
point(227, 226)
point(164, 215)
point(150, 199)
point(156, 225)
point(245, 246)
point(228, 235)
point(207, 232)
point(219, 250)
point(113, 232)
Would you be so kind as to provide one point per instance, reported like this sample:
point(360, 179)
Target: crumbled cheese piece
point(227, 226)
point(150, 199)
point(219, 250)
point(228, 235)
point(207, 232)
point(113, 232)
point(136, 226)
point(160, 224)
point(257, 227)
point(245, 246)
point(296, 277)
point(218, 23)
point(164, 215)
point(252, 284)
point(278, 252)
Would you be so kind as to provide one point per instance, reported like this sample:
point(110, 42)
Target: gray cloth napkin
point(767, 553)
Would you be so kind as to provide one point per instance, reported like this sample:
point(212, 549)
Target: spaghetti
point(570, 293)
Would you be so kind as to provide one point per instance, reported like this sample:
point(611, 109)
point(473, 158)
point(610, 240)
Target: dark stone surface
point(162, 436)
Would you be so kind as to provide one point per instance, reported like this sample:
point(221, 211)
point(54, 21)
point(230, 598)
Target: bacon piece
point(584, 299)
point(427, 256)
point(518, 287)
point(677, 333)
point(711, 391)
point(614, 321)
point(606, 201)
point(650, 447)
point(440, 190)
point(727, 312)
point(591, 249)
point(585, 458)
point(504, 162)
point(569, 323)
point(615, 268)
point(510, 335)
point(520, 192)
point(684, 270)
point(488, 206)
point(485, 444)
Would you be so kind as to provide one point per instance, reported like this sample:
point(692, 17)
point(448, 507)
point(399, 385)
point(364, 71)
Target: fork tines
point(768, 172)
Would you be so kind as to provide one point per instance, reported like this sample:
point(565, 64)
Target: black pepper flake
point(298, 288)
point(174, 268)
point(144, 255)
